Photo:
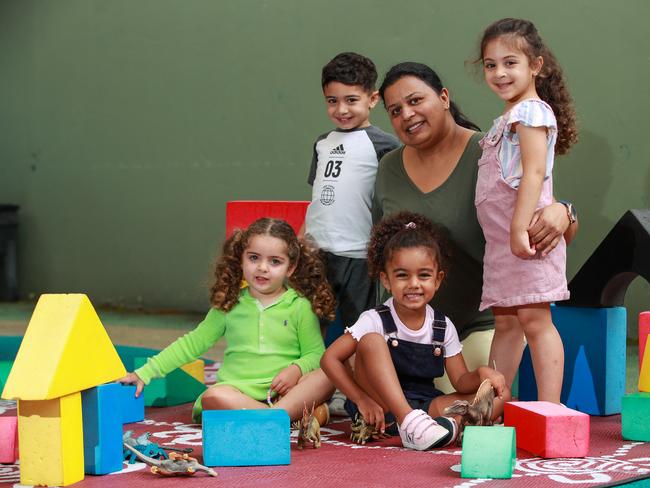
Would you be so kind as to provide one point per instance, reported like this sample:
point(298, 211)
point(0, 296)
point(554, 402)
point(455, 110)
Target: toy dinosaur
point(142, 445)
point(363, 432)
point(479, 412)
point(176, 465)
point(308, 428)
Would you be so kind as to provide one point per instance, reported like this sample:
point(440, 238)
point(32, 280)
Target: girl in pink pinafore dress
point(514, 180)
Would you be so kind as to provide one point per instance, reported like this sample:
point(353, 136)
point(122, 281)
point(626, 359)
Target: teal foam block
point(5, 368)
point(9, 346)
point(594, 359)
point(246, 437)
point(488, 452)
point(175, 388)
point(635, 417)
point(132, 408)
point(102, 428)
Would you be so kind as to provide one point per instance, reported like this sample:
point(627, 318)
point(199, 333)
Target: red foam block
point(241, 213)
point(547, 429)
point(8, 440)
point(644, 330)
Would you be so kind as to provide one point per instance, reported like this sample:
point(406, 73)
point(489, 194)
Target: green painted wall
point(126, 125)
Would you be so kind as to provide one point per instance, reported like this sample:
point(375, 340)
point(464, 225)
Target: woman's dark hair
point(549, 83)
point(350, 69)
point(431, 78)
point(406, 230)
point(309, 278)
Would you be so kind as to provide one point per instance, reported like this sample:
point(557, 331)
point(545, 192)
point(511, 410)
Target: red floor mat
point(341, 463)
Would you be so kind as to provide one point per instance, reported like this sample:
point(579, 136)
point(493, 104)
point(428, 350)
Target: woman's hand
point(372, 413)
point(547, 227)
point(133, 379)
point(286, 379)
point(497, 379)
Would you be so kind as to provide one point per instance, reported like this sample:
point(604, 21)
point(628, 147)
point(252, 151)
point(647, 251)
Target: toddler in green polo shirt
point(271, 325)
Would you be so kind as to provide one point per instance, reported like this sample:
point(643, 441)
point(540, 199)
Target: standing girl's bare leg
point(507, 344)
point(546, 349)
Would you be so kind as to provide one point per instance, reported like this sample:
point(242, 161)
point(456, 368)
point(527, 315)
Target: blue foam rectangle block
point(246, 437)
point(132, 407)
point(102, 428)
point(594, 359)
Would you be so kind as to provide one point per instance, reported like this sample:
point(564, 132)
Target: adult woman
point(434, 174)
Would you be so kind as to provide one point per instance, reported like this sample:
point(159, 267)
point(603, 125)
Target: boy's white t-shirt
point(342, 174)
point(370, 321)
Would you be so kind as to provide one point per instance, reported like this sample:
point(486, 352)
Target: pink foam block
point(8, 440)
point(547, 429)
point(644, 330)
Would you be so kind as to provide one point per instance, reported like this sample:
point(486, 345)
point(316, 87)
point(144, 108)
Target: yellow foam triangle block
point(65, 350)
point(195, 369)
point(644, 374)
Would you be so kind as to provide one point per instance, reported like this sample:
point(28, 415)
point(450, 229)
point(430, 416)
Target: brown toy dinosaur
point(176, 465)
point(479, 412)
point(308, 428)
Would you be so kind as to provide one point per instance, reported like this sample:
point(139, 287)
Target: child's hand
point(286, 379)
point(497, 379)
point(520, 244)
point(133, 379)
point(372, 413)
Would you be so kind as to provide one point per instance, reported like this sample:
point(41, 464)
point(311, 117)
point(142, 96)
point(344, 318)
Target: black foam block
point(622, 256)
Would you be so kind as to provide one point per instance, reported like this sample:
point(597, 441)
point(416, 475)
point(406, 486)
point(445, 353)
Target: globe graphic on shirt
point(327, 195)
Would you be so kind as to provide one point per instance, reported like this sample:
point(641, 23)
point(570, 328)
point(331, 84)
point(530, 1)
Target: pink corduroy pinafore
point(509, 281)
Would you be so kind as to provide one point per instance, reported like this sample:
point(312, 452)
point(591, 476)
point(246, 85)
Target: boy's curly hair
point(350, 69)
point(308, 279)
point(550, 82)
point(406, 230)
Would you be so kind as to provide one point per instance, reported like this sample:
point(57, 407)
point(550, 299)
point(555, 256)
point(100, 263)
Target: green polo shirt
point(261, 341)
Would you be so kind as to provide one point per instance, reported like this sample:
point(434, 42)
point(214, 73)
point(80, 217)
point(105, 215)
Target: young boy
point(342, 175)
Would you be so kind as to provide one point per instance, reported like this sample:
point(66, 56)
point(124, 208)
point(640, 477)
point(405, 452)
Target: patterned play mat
point(341, 463)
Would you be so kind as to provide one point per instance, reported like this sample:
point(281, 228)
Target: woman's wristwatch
point(570, 211)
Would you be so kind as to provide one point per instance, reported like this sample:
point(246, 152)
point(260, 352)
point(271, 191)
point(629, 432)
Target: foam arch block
point(488, 452)
point(603, 279)
point(65, 350)
point(50, 435)
point(246, 437)
point(594, 359)
point(548, 430)
point(102, 428)
point(8, 440)
point(635, 417)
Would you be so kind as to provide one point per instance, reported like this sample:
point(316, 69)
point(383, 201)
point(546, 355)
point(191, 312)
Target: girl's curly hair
point(308, 279)
point(550, 82)
point(406, 230)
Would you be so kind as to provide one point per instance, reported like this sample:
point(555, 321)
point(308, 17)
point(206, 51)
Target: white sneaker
point(337, 405)
point(420, 432)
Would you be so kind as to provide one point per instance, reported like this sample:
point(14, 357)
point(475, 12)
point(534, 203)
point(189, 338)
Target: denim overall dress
point(508, 280)
point(416, 364)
